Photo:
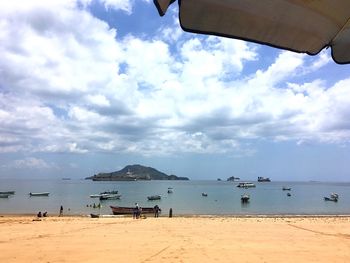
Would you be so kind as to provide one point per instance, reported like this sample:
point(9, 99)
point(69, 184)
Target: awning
point(304, 26)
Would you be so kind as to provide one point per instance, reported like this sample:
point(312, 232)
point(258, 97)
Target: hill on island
point(134, 172)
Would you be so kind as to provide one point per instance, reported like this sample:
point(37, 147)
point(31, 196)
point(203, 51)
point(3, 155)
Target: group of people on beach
point(138, 211)
point(42, 214)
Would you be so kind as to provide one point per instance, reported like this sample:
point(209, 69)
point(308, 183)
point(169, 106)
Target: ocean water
point(223, 197)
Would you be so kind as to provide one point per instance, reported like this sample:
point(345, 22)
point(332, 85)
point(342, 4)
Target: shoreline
point(178, 239)
point(193, 215)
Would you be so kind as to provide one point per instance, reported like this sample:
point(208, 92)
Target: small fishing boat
point(122, 210)
point(170, 191)
point(7, 192)
point(110, 197)
point(332, 197)
point(94, 215)
point(245, 198)
point(154, 197)
point(286, 188)
point(39, 194)
point(288, 194)
point(204, 194)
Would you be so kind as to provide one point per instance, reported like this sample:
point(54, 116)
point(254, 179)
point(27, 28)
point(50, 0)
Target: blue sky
point(91, 86)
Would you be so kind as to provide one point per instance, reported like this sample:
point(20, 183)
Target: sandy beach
point(179, 239)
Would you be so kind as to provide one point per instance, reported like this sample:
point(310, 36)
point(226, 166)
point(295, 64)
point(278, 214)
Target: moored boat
point(122, 210)
point(286, 188)
point(245, 185)
point(332, 197)
point(154, 197)
point(288, 194)
point(263, 179)
point(7, 192)
point(170, 191)
point(4, 195)
point(39, 194)
point(110, 197)
point(204, 194)
point(245, 198)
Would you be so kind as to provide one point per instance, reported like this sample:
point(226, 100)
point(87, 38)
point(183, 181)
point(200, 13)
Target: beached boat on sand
point(122, 210)
point(39, 194)
point(154, 197)
point(94, 215)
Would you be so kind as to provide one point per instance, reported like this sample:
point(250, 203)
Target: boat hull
point(39, 194)
point(122, 210)
point(7, 193)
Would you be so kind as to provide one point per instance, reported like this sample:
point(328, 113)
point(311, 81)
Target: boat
point(4, 195)
point(246, 185)
point(286, 188)
point(332, 197)
point(39, 194)
point(263, 179)
point(94, 215)
point(7, 192)
point(153, 197)
point(170, 191)
point(109, 192)
point(245, 198)
point(204, 194)
point(95, 196)
point(288, 194)
point(110, 197)
point(120, 210)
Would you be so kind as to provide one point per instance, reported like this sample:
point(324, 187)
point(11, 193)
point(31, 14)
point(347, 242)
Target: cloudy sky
point(89, 86)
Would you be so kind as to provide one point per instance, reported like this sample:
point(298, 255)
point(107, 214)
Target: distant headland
point(133, 173)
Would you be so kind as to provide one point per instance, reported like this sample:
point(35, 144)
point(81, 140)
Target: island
point(232, 178)
point(133, 173)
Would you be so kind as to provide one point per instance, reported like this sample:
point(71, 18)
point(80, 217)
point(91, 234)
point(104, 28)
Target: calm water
point(223, 197)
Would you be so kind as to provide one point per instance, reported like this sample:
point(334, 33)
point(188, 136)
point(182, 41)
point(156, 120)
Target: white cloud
point(69, 84)
point(30, 163)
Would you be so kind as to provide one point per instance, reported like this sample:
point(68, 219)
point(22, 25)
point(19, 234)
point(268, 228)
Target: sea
point(223, 197)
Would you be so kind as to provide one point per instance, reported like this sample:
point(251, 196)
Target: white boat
point(245, 185)
point(39, 194)
point(95, 195)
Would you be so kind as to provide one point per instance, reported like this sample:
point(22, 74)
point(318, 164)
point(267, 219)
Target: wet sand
point(179, 239)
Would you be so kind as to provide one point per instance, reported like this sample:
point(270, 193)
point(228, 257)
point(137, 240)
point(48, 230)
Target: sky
point(89, 86)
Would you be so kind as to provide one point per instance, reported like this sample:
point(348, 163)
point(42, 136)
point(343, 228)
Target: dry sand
point(179, 239)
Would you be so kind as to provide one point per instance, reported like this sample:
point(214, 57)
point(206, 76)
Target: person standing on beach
point(61, 211)
point(156, 211)
point(135, 211)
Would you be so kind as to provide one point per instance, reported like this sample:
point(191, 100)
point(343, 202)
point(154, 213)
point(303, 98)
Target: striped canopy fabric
point(304, 26)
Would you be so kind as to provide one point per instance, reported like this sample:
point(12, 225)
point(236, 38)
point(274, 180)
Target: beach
point(26, 238)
